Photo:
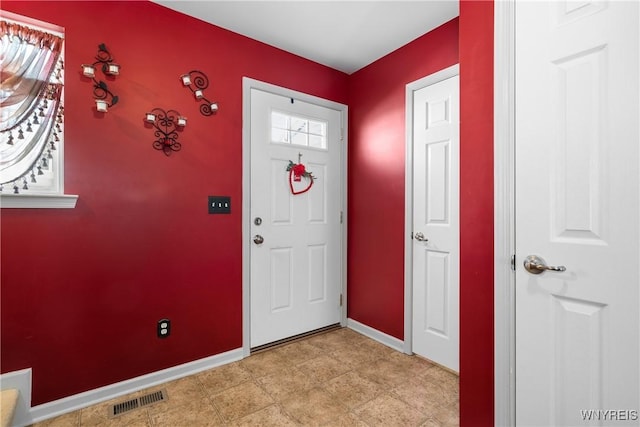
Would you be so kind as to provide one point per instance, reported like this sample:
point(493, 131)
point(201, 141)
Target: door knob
point(536, 265)
point(420, 237)
point(258, 239)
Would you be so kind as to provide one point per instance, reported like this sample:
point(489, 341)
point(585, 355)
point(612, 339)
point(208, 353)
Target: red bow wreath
point(296, 172)
point(299, 171)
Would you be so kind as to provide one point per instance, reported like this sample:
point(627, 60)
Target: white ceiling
point(345, 35)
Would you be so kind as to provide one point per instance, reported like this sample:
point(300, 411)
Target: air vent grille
point(130, 405)
point(121, 408)
point(148, 399)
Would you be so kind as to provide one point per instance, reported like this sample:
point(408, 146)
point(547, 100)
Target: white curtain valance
point(30, 98)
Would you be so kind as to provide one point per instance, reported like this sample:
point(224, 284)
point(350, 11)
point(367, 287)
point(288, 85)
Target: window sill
point(41, 201)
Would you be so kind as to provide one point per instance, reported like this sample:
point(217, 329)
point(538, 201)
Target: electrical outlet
point(164, 328)
point(219, 204)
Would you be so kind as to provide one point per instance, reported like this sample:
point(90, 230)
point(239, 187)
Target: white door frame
point(412, 87)
point(504, 211)
point(247, 85)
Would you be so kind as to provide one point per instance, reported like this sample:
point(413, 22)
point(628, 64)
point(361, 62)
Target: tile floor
point(337, 378)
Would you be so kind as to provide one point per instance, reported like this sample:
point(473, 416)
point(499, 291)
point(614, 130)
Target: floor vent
point(121, 408)
point(148, 399)
point(138, 402)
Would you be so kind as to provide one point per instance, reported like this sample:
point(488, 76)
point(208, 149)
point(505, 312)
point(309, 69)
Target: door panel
point(317, 260)
point(436, 301)
point(281, 280)
point(435, 216)
point(281, 201)
point(296, 271)
point(577, 197)
point(317, 207)
point(579, 173)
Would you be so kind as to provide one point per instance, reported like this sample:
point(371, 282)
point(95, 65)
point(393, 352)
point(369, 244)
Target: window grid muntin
point(298, 130)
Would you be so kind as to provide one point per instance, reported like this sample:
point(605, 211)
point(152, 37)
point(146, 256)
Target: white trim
point(412, 87)
point(504, 212)
point(92, 397)
point(40, 201)
point(376, 335)
point(21, 381)
point(247, 85)
point(344, 170)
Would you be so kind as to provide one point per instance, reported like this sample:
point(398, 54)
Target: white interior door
point(436, 235)
point(296, 253)
point(577, 194)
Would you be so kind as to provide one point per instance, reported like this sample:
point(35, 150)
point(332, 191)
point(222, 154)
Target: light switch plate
point(219, 204)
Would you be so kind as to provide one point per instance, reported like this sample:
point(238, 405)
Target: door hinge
point(513, 262)
point(341, 217)
point(340, 300)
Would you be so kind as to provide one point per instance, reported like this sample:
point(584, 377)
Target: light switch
point(219, 204)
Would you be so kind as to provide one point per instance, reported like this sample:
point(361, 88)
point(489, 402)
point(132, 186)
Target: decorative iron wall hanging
point(103, 96)
point(197, 82)
point(166, 125)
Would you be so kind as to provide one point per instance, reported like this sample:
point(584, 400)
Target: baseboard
point(91, 397)
point(21, 381)
point(375, 334)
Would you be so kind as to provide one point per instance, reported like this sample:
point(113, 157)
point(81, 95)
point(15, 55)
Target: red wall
point(476, 213)
point(82, 288)
point(376, 176)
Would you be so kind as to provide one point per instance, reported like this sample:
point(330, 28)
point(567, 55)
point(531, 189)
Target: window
point(288, 129)
point(31, 114)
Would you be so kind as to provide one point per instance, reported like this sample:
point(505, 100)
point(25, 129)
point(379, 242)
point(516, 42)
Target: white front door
point(577, 195)
point(296, 250)
point(436, 235)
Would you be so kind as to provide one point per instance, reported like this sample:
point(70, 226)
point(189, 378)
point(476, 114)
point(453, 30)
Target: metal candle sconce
point(197, 82)
point(166, 124)
point(103, 96)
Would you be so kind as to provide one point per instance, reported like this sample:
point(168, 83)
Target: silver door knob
point(536, 265)
point(420, 237)
point(258, 239)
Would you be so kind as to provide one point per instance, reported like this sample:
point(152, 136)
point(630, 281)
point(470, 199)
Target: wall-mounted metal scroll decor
point(104, 98)
point(197, 82)
point(166, 125)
